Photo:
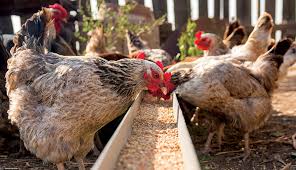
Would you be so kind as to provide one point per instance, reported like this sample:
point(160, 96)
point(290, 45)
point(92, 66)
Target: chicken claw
point(60, 166)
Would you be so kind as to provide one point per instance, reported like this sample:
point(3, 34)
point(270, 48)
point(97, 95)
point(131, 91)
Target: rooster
point(137, 47)
point(59, 102)
point(257, 44)
point(233, 94)
point(60, 45)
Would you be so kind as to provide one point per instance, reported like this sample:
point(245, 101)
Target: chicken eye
point(156, 76)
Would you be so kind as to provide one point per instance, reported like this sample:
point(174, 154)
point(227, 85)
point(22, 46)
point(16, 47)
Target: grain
point(154, 142)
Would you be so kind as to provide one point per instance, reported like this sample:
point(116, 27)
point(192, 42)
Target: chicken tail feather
point(36, 33)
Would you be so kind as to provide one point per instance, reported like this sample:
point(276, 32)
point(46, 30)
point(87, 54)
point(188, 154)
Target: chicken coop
point(219, 91)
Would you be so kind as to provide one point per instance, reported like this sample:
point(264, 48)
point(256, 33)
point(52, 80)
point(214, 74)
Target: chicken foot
point(80, 163)
point(247, 149)
point(60, 166)
point(98, 146)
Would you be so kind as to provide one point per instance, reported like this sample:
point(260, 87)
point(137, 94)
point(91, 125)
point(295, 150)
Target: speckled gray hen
point(59, 102)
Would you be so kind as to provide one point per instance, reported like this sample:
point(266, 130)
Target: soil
point(271, 144)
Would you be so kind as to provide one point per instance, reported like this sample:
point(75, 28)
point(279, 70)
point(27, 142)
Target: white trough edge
point(190, 159)
point(108, 158)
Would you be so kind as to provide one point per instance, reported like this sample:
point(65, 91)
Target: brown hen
point(233, 94)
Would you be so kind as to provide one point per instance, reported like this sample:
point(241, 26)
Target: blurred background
point(209, 15)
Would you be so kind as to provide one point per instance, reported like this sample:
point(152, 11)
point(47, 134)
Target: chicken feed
point(154, 141)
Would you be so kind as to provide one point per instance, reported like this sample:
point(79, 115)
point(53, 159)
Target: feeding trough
point(152, 135)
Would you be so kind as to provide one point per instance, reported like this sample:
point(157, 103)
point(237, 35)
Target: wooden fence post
point(6, 28)
point(217, 9)
point(159, 8)
point(243, 10)
point(182, 12)
point(226, 9)
point(270, 7)
point(289, 11)
point(203, 8)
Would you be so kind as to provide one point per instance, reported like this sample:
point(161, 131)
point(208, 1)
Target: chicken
point(256, 45)
point(136, 46)
point(60, 45)
point(258, 41)
point(233, 94)
point(97, 42)
point(237, 37)
point(59, 102)
point(234, 24)
point(96, 47)
point(211, 44)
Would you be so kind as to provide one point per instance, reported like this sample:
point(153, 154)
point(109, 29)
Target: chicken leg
point(98, 146)
point(207, 147)
point(247, 146)
point(60, 166)
point(220, 134)
point(80, 163)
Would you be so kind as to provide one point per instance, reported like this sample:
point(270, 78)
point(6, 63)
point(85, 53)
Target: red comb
point(198, 34)
point(159, 63)
point(141, 55)
point(167, 81)
point(64, 13)
point(167, 76)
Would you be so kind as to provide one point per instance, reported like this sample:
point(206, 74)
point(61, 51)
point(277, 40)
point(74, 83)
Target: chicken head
point(59, 15)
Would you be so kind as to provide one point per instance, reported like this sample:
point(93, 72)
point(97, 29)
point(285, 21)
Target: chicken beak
point(65, 20)
point(164, 90)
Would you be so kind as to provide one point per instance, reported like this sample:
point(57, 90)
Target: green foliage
point(115, 23)
point(186, 42)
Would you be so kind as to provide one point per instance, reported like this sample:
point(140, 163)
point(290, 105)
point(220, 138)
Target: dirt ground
point(271, 145)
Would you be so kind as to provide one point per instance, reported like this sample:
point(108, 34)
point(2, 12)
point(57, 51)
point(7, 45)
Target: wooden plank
point(203, 8)
point(226, 9)
point(289, 11)
point(243, 11)
point(182, 12)
point(159, 8)
point(270, 7)
point(109, 155)
point(189, 155)
point(217, 9)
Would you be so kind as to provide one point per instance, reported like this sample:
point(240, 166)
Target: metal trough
point(108, 158)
